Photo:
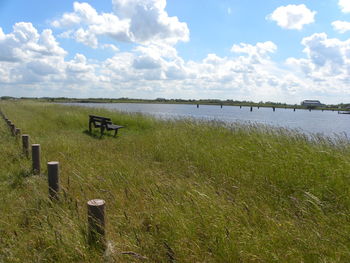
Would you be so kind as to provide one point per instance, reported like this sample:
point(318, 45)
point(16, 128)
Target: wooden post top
point(53, 163)
point(96, 202)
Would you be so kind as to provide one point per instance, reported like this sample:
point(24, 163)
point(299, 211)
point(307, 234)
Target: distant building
point(311, 103)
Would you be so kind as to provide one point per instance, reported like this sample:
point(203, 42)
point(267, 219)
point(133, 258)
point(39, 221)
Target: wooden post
point(13, 129)
point(96, 222)
point(25, 144)
point(53, 180)
point(36, 158)
point(18, 131)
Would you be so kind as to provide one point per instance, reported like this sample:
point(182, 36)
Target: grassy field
point(175, 191)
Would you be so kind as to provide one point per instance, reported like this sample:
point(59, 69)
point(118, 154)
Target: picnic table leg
point(90, 126)
point(115, 132)
point(102, 130)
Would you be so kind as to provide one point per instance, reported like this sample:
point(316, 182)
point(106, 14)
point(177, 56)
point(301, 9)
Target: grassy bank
point(175, 191)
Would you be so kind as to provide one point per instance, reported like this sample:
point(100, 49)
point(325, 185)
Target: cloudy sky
point(271, 50)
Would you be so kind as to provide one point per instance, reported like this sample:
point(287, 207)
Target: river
point(327, 123)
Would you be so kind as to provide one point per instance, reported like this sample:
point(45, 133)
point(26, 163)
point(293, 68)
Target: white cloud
point(322, 51)
point(37, 63)
point(112, 47)
point(344, 6)
point(292, 16)
point(86, 37)
point(34, 59)
point(256, 53)
point(86, 25)
point(138, 21)
point(341, 26)
point(25, 43)
point(149, 21)
point(155, 69)
point(327, 66)
point(41, 67)
point(146, 62)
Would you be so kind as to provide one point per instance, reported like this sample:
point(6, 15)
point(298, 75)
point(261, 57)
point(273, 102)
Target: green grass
point(179, 191)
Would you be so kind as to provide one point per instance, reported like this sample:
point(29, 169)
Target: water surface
point(328, 123)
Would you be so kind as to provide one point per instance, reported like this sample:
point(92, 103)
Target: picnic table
point(103, 123)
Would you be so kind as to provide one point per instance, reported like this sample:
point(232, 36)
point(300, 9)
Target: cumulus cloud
point(150, 21)
point(344, 6)
point(25, 43)
point(137, 21)
point(33, 58)
point(341, 26)
point(292, 16)
point(146, 62)
point(156, 69)
point(256, 53)
point(86, 25)
point(321, 50)
point(36, 61)
point(110, 46)
point(326, 67)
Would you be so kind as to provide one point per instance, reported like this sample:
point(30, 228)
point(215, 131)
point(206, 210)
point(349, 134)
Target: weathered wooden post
point(36, 158)
point(96, 222)
point(53, 180)
point(18, 131)
point(13, 129)
point(25, 144)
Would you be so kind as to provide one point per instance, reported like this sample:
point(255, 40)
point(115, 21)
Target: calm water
point(327, 123)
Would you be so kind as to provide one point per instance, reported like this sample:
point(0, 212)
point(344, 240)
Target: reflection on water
point(327, 122)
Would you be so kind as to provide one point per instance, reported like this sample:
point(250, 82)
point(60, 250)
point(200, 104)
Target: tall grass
point(179, 191)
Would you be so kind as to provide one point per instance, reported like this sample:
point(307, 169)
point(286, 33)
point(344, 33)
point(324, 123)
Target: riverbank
point(174, 190)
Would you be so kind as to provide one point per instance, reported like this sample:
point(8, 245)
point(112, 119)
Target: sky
point(254, 50)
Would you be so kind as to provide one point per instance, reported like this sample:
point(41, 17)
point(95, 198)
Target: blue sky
point(274, 50)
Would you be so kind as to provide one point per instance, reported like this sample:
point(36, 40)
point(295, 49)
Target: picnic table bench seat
point(103, 123)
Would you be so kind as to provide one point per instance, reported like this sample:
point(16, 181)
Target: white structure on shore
point(314, 103)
